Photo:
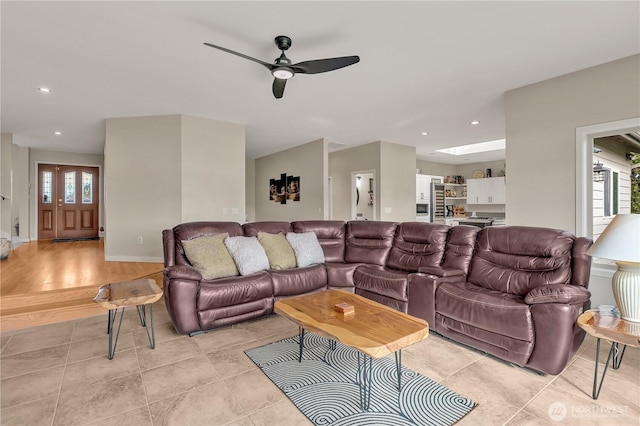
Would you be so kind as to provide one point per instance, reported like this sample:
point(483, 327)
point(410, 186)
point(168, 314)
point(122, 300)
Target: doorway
point(67, 201)
point(363, 199)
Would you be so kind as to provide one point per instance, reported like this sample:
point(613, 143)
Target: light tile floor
point(59, 374)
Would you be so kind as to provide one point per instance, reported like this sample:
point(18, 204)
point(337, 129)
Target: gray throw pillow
point(248, 254)
point(306, 247)
point(210, 256)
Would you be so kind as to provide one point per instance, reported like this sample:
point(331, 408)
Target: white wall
point(250, 195)
point(165, 170)
point(211, 151)
point(396, 181)
point(309, 162)
point(6, 156)
point(143, 185)
point(20, 189)
point(437, 169)
point(541, 122)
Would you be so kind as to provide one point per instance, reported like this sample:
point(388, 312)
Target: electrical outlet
point(140, 240)
point(235, 210)
point(225, 210)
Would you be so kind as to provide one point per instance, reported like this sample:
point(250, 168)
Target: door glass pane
point(46, 187)
point(70, 188)
point(87, 188)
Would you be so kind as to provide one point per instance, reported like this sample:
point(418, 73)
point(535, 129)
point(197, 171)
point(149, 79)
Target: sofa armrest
point(558, 293)
point(439, 271)
point(183, 272)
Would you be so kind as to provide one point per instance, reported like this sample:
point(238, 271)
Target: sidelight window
point(70, 188)
point(87, 188)
point(47, 185)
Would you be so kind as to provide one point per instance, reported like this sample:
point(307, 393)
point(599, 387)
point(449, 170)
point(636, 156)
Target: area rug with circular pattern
point(324, 386)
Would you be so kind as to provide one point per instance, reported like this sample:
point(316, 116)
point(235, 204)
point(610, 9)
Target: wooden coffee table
point(373, 329)
point(138, 293)
point(609, 326)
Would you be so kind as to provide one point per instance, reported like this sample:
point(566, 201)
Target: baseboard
point(134, 259)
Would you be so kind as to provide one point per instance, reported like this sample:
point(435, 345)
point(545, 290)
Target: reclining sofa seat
point(520, 300)
point(289, 282)
point(414, 245)
point(331, 236)
point(195, 304)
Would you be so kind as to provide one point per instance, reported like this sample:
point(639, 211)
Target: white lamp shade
point(620, 239)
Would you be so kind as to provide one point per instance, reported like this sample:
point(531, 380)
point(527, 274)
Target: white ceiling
point(425, 66)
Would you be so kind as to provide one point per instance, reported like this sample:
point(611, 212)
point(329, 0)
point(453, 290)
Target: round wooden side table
point(607, 324)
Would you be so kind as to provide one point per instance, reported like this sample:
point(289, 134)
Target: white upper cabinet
point(486, 191)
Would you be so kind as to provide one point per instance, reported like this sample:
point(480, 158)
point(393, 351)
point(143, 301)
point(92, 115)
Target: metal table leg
point(364, 377)
point(143, 321)
point(301, 342)
point(110, 320)
point(398, 355)
point(617, 360)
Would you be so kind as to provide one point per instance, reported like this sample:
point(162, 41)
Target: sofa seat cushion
point(225, 292)
point(383, 281)
point(291, 282)
point(489, 310)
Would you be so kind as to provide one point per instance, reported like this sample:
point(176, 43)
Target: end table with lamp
point(620, 241)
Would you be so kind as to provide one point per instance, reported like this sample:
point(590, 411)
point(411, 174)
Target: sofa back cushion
point(330, 234)
point(517, 259)
point(191, 230)
point(417, 244)
point(252, 229)
point(459, 248)
point(369, 241)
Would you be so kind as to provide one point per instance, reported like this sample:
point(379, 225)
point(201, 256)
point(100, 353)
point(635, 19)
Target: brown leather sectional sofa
point(512, 291)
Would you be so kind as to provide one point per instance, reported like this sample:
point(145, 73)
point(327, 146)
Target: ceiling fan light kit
point(282, 68)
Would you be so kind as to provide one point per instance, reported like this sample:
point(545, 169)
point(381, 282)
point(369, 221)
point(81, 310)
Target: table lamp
point(620, 241)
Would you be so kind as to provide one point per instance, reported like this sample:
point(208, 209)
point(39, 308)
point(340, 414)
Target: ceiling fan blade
point(224, 49)
point(324, 65)
point(278, 87)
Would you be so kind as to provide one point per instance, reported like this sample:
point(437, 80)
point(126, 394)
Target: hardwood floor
point(44, 282)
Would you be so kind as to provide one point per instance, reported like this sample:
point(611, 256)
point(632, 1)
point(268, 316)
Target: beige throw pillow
point(210, 256)
point(278, 249)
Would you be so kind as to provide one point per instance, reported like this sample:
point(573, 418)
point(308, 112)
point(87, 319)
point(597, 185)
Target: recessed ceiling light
point(57, 133)
point(425, 133)
point(474, 122)
point(44, 89)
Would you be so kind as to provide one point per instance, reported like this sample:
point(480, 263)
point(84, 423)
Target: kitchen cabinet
point(423, 188)
point(486, 191)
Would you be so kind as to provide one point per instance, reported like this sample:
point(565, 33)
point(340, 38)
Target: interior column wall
point(541, 122)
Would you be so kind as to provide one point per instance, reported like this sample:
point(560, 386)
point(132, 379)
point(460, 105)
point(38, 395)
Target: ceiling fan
point(282, 68)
